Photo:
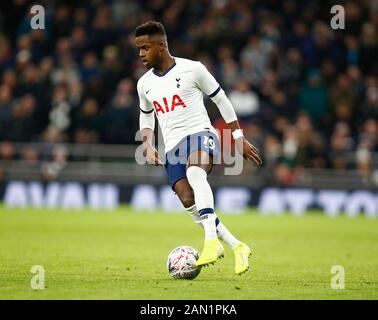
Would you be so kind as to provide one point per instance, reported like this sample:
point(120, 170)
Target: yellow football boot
point(212, 251)
point(242, 252)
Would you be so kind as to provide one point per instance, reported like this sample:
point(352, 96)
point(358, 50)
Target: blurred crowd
point(305, 94)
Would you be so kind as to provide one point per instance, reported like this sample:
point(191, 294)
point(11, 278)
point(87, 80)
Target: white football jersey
point(176, 97)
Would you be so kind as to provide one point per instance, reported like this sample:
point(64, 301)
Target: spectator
point(291, 67)
point(313, 97)
point(245, 101)
point(59, 116)
point(5, 109)
point(370, 105)
point(119, 114)
point(257, 54)
point(22, 126)
point(342, 98)
point(30, 156)
point(50, 170)
point(7, 151)
point(88, 123)
point(341, 141)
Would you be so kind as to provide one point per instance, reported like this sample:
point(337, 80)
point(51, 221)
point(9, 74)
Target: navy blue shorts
point(176, 159)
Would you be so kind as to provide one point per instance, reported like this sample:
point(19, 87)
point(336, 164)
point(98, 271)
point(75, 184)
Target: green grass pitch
point(122, 255)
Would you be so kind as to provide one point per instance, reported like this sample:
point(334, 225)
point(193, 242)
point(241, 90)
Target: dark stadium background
point(306, 96)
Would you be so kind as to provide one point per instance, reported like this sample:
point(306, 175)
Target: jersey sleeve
point(146, 116)
point(205, 81)
point(144, 104)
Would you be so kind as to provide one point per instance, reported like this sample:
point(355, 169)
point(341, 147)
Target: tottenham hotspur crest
point(178, 82)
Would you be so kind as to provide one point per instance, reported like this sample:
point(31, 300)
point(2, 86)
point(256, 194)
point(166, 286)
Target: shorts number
point(208, 143)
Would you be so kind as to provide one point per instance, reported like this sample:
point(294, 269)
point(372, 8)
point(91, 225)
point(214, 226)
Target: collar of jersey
point(165, 72)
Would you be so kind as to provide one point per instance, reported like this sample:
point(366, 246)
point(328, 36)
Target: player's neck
point(167, 63)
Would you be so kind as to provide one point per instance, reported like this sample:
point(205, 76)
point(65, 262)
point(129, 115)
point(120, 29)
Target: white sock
point(222, 232)
point(208, 223)
point(203, 197)
point(193, 212)
point(226, 236)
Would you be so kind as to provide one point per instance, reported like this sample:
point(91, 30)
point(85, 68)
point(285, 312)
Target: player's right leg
point(213, 249)
point(180, 164)
point(198, 166)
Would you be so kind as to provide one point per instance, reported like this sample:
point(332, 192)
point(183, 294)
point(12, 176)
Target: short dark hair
point(150, 28)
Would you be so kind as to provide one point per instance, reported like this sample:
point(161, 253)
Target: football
point(181, 263)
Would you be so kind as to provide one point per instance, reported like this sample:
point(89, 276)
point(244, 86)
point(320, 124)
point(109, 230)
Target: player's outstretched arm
point(150, 151)
point(243, 146)
point(227, 111)
point(207, 83)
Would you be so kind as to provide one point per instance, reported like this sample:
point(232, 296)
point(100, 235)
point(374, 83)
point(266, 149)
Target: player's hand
point(152, 155)
point(248, 150)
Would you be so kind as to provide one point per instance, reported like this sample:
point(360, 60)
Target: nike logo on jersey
point(148, 91)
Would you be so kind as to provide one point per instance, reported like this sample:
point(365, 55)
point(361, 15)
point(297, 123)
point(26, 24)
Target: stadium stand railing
point(116, 163)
